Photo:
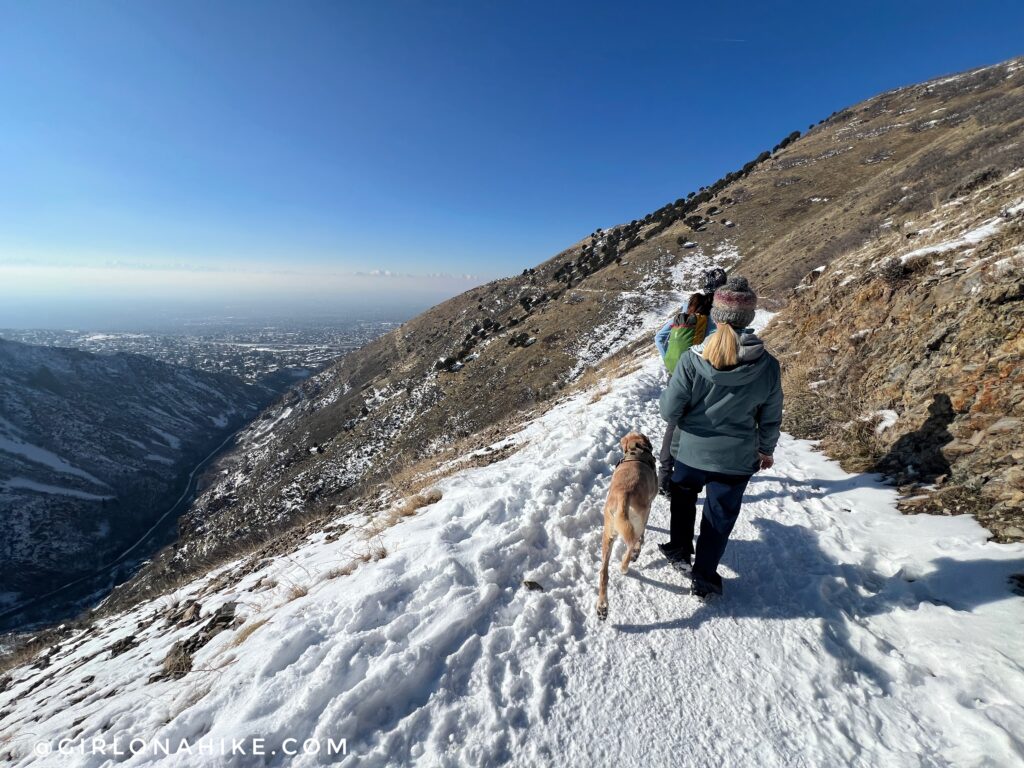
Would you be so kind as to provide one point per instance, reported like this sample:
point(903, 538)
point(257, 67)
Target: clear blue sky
point(267, 149)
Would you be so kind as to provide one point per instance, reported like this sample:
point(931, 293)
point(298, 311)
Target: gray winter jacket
point(724, 418)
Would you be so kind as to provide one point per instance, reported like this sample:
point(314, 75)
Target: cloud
point(415, 275)
point(128, 281)
point(126, 265)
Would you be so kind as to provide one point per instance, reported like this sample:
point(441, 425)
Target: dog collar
point(643, 455)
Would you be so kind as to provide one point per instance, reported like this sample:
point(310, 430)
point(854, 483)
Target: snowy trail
point(849, 634)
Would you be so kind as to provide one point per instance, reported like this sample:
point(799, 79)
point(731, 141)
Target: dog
point(633, 489)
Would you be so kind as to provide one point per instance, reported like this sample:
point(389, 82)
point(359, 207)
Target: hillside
point(402, 552)
point(882, 178)
point(462, 632)
point(93, 450)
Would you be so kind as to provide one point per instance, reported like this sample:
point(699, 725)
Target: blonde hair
point(722, 349)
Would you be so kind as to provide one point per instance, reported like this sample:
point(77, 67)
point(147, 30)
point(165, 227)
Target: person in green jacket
point(725, 400)
point(690, 326)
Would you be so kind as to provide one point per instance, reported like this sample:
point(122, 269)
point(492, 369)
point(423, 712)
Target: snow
point(886, 419)
point(972, 237)
point(23, 483)
point(167, 437)
point(38, 455)
point(158, 458)
point(848, 634)
point(643, 311)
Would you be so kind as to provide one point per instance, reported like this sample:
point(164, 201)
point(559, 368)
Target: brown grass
point(21, 655)
point(243, 633)
point(342, 570)
point(417, 502)
point(295, 591)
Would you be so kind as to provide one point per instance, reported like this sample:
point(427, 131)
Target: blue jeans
point(721, 508)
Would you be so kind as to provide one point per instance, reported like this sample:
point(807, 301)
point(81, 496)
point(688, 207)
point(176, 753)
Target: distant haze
point(135, 299)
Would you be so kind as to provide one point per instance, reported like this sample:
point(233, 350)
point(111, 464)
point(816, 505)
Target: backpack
point(686, 331)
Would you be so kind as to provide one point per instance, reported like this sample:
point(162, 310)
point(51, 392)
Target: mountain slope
point(840, 640)
point(93, 448)
point(475, 365)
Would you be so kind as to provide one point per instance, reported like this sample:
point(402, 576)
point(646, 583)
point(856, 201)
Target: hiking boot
point(705, 586)
point(676, 555)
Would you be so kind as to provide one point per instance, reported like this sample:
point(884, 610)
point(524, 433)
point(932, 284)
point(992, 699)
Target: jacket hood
point(752, 363)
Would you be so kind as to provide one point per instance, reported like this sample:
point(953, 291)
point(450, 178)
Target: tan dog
point(634, 486)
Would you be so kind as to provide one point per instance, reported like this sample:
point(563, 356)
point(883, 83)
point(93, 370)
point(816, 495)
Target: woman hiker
point(725, 404)
point(688, 327)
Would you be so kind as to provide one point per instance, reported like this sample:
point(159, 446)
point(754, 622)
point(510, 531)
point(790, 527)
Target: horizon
point(325, 159)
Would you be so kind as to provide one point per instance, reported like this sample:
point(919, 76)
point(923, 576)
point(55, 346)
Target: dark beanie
point(713, 280)
point(734, 303)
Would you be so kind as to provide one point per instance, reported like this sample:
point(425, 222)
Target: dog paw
point(602, 612)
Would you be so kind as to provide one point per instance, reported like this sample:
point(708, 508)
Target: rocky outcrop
point(907, 356)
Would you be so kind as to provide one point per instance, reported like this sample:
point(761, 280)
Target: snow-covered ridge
point(849, 634)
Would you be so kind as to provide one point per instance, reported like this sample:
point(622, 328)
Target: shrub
point(917, 263)
point(891, 270)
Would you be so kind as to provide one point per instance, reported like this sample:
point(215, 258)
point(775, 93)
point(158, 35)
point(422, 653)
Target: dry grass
point(342, 570)
point(417, 502)
point(295, 591)
point(243, 633)
point(21, 656)
point(601, 391)
point(590, 378)
point(376, 551)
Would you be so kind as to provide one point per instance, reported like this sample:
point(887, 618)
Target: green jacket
point(724, 418)
point(686, 331)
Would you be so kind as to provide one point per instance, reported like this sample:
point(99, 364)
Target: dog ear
point(650, 446)
point(624, 443)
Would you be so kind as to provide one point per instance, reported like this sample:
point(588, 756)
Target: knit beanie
point(734, 304)
point(713, 280)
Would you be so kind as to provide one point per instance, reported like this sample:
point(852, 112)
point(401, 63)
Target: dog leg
point(625, 528)
point(639, 521)
point(639, 525)
point(602, 584)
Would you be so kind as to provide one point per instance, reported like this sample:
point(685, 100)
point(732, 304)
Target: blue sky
point(286, 151)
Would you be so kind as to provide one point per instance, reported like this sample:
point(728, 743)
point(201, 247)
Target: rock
point(177, 662)
point(533, 586)
point(190, 615)
point(1015, 476)
point(122, 645)
point(1006, 424)
point(957, 448)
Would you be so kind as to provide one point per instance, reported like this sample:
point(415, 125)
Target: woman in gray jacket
point(725, 399)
